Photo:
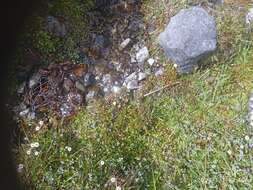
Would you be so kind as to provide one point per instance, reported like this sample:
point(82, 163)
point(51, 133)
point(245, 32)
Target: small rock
point(31, 115)
point(34, 80)
point(100, 41)
point(142, 76)
point(132, 85)
point(159, 72)
point(132, 76)
point(67, 84)
point(116, 89)
point(24, 112)
point(89, 79)
point(80, 86)
point(151, 61)
point(56, 27)
point(91, 94)
point(142, 55)
point(124, 44)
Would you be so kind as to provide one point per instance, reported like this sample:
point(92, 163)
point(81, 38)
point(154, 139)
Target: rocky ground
point(115, 60)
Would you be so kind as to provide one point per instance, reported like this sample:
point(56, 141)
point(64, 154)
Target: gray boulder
point(190, 36)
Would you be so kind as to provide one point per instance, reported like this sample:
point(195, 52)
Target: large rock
point(190, 36)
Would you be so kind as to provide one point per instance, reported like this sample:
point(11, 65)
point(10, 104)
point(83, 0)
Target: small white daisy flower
point(36, 144)
point(247, 138)
point(69, 148)
point(36, 153)
point(151, 61)
point(114, 103)
point(28, 152)
point(41, 122)
point(32, 145)
point(102, 163)
point(118, 188)
point(113, 179)
point(175, 65)
point(37, 128)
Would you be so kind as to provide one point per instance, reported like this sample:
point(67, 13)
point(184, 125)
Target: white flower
point(113, 179)
point(36, 153)
point(118, 188)
point(68, 148)
point(114, 103)
point(36, 144)
point(247, 138)
point(151, 61)
point(41, 122)
point(175, 65)
point(32, 145)
point(28, 152)
point(102, 163)
point(37, 128)
point(241, 147)
point(120, 159)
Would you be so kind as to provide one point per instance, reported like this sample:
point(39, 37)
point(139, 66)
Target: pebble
point(132, 85)
point(159, 72)
point(89, 79)
point(80, 86)
point(116, 89)
point(31, 115)
point(67, 84)
point(142, 55)
point(24, 112)
point(142, 76)
point(90, 95)
point(132, 76)
point(124, 44)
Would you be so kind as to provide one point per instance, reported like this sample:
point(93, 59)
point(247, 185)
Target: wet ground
point(115, 61)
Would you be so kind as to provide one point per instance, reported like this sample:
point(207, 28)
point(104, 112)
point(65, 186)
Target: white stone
point(24, 112)
point(142, 55)
point(116, 89)
point(142, 76)
point(132, 85)
point(124, 44)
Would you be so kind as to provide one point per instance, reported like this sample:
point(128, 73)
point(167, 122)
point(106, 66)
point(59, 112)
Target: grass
point(192, 136)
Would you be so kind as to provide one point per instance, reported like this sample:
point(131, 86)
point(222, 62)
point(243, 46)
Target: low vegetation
point(192, 136)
